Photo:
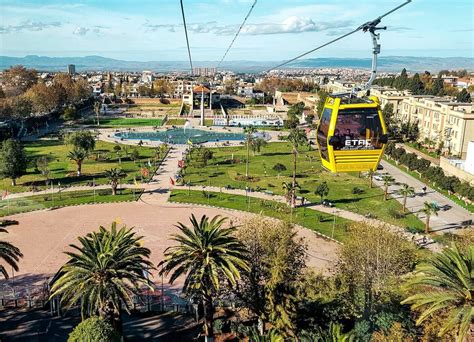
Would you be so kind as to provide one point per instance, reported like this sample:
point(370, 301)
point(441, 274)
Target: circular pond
point(181, 136)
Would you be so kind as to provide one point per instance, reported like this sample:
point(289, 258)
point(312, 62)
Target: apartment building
point(389, 95)
point(182, 87)
point(440, 119)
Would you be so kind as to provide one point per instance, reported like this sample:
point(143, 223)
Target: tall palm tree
point(106, 269)
point(97, 106)
point(257, 144)
point(429, 209)
point(10, 254)
point(406, 191)
point(297, 137)
point(78, 155)
point(249, 132)
point(445, 284)
point(204, 252)
point(290, 192)
point(387, 181)
point(370, 175)
point(115, 175)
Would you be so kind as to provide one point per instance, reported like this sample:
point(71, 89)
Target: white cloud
point(81, 31)
point(293, 24)
point(28, 26)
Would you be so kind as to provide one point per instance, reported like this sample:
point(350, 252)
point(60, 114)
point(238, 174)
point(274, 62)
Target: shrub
point(70, 114)
point(94, 329)
point(278, 167)
point(357, 191)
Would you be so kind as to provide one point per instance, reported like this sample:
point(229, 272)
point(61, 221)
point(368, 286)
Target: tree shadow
point(271, 154)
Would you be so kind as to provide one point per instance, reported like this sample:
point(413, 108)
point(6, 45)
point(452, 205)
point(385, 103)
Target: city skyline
point(155, 32)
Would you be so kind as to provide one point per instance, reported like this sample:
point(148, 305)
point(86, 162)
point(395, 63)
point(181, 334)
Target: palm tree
point(297, 137)
point(115, 175)
point(117, 150)
point(97, 106)
point(204, 252)
point(387, 181)
point(290, 192)
point(104, 272)
point(444, 284)
point(332, 334)
point(406, 191)
point(249, 132)
point(257, 144)
point(10, 254)
point(429, 209)
point(370, 175)
point(78, 155)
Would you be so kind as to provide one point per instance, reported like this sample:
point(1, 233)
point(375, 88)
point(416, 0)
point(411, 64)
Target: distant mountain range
point(98, 63)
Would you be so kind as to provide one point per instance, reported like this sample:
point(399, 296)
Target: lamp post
point(334, 223)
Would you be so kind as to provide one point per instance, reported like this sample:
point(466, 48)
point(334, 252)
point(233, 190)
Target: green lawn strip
point(124, 122)
point(469, 207)
point(422, 150)
point(312, 219)
point(180, 122)
point(37, 202)
point(176, 122)
point(63, 170)
point(222, 172)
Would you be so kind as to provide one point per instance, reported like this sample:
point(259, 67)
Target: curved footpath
point(157, 191)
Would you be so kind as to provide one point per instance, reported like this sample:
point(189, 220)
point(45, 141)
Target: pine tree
point(416, 86)
point(438, 87)
point(464, 96)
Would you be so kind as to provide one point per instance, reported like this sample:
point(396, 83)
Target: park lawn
point(315, 220)
point(45, 201)
point(63, 170)
point(222, 172)
point(125, 122)
point(176, 122)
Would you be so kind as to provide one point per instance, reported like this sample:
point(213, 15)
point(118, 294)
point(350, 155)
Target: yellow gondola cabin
point(351, 134)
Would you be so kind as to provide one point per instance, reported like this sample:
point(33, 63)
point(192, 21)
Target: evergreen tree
point(401, 82)
point(464, 96)
point(438, 87)
point(416, 85)
point(12, 160)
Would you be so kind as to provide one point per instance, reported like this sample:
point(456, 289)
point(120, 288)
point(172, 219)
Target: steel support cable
point(237, 34)
point(364, 27)
point(187, 39)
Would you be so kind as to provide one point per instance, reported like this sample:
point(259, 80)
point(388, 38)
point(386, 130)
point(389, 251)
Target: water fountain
point(186, 125)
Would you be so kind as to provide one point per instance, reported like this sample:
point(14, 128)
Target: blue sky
point(277, 29)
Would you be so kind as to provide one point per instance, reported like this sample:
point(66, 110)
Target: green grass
point(469, 207)
point(423, 150)
point(221, 172)
point(26, 204)
point(124, 122)
point(176, 122)
point(302, 216)
point(63, 170)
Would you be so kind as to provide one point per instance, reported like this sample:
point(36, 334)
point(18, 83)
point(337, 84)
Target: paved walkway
point(332, 211)
point(157, 192)
point(447, 220)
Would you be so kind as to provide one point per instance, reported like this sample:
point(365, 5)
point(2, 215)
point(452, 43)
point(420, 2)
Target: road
point(447, 220)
